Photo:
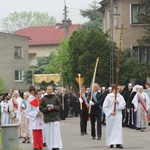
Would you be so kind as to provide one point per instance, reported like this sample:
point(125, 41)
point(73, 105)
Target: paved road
point(72, 140)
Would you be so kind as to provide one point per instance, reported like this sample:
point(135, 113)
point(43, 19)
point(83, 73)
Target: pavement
point(72, 140)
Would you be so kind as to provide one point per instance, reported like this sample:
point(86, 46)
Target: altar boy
point(36, 118)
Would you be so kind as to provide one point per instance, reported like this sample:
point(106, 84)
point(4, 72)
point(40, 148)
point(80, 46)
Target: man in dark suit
point(96, 111)
point(83, 111)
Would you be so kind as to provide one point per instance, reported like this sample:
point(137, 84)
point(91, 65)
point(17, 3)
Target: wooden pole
point(93, 81)
point(80, 89)
point(118, 63)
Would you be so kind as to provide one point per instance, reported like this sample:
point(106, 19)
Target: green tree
point(60, 62)
point(144, 17)
point(85, 47)
point(19, 20)
point(94, 16)
point(2, 85)
point(39, 69)
point(131, 68)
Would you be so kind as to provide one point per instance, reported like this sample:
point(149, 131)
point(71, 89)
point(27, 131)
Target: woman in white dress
point(5, 111)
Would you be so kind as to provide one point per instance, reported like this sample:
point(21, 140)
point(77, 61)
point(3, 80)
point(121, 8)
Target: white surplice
point(35, 122)
point(113, 123)
point(141, 114)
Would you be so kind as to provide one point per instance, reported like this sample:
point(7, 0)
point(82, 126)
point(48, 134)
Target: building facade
point(45, 39)
point(14, 60)
point(118, 12)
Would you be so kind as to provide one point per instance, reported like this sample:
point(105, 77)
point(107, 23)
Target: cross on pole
point(122, 28)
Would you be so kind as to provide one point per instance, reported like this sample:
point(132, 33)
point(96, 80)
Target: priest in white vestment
point(114, 118)
point(15, 108)
point(141, 103)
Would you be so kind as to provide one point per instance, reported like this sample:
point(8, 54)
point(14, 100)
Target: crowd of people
point(39, 112)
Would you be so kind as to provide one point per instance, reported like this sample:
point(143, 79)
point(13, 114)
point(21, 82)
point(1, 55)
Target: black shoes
point(117, 146)
point(82, 133)
point(93, 138)
point(44, 144)
point(99, 138)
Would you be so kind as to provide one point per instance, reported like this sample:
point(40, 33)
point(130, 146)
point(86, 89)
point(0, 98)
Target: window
point(18, 75)
point(135, 10)
point(18, 54)
point(116, 16)
point(143, 53)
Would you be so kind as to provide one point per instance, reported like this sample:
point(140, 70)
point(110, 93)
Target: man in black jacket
point(96, 111)
point(83, 111)
point(50, 105)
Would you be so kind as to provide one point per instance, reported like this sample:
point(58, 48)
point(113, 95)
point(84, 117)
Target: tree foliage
point(94, 16)
point(2, 85)
point(39, 69)
point(19, 20)
point(85, 48)
point(131, 68)
point(144, 17)
point(60, 62)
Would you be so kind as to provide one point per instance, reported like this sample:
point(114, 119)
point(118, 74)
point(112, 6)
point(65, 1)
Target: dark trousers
point(83, 120)
point(96, 116)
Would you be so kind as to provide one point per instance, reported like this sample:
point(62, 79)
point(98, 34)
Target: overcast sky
point(53, 7)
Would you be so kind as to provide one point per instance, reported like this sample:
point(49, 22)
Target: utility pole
point(65, 20)
point(111, 44)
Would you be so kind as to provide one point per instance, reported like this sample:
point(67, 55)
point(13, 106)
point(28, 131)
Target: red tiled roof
point(44, 35)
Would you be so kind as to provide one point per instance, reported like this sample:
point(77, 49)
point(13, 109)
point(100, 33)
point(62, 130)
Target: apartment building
point(118, 12)
point(13, 60)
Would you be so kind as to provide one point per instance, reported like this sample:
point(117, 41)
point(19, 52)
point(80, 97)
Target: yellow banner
point(39, 78)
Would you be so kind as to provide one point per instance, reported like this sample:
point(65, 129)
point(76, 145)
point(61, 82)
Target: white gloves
point(80, 100)
point(91, 103)
point(128, 110)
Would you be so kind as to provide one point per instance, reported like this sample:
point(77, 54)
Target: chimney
point(68, 23)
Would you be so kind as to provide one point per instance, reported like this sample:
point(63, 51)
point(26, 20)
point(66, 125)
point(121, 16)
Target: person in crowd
point(24, 119)
point(15, 108)
point(74, 104)
point(95, 102)
point(66, 103)
point(5, 111)
point(10, 93)
point(84, 105)
point(1, 102)
point(36, 117)
point(110, 90)
point(61, 112)
point(31, 97)
point(147, 86)
point(141, 103)
point(104, 94)
point(114, 118)
point(126, 112)
point(50, 105)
